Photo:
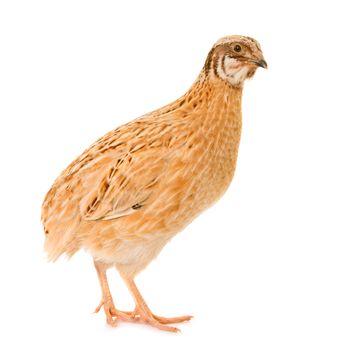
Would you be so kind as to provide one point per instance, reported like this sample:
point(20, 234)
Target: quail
point(139, 185)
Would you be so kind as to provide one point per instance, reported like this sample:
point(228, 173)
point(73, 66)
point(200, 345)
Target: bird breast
point(203, 168)
point(213, 153)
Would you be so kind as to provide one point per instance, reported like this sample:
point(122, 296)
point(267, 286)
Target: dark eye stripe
point(223, 64)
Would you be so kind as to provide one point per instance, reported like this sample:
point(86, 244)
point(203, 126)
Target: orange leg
point(144, 314)
point(112, 314)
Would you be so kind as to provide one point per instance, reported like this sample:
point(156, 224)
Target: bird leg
point(112, 314)
point(143, 314)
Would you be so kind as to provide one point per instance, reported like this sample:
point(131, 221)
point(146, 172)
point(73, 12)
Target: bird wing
point(125, 187)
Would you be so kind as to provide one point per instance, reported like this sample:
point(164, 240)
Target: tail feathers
point(57, 244)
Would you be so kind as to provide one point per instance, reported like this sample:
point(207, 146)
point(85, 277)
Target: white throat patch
point(231, 70)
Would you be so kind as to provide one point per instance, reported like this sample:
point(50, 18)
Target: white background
point(268, 266)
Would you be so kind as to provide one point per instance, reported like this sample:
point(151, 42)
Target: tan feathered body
point(173, 163)
point(128, 194)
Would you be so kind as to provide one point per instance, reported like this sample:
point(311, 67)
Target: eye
point(238, 48)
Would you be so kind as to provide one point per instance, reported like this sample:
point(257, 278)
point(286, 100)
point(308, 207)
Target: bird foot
point(147, 317)
point(113, 314)
point(139, 316)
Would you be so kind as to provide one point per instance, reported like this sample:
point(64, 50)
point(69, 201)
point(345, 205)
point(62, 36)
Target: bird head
point(233, 59)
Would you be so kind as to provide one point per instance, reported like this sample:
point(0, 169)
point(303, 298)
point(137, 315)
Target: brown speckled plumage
point(128, 194)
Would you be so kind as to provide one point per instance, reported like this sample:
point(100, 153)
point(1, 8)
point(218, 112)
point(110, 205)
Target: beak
point(261, 63)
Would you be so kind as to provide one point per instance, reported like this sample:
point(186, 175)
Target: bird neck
point(213, 102)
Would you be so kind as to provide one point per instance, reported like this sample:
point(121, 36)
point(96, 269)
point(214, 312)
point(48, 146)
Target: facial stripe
point(208, 62)
point(223, 64)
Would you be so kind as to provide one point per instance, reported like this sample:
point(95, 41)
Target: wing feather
point(125, 188)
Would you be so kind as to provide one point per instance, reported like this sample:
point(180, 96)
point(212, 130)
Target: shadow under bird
point(136, 187)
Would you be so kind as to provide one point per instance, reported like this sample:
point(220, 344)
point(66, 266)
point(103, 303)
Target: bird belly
point(129, 255)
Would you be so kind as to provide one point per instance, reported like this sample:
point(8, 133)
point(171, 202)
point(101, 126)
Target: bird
point(129, 193)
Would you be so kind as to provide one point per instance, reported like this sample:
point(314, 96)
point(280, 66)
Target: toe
point(99, 307)
point(124, 315)
point(163, 327)
point(111, 321)
point(167, 320)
